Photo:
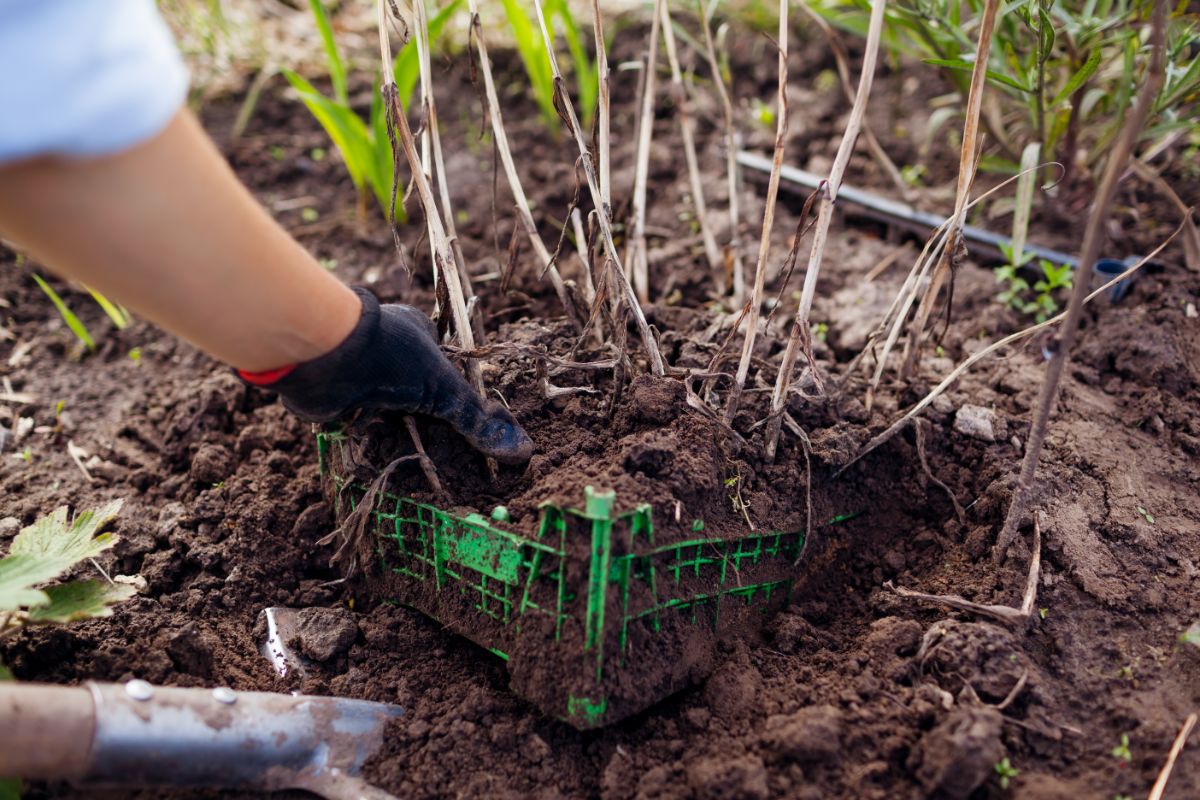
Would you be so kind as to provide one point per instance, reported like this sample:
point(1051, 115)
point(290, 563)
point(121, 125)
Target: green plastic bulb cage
point(596, 620)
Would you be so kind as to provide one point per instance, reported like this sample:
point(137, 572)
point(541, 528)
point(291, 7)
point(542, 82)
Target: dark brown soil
point(850, 691)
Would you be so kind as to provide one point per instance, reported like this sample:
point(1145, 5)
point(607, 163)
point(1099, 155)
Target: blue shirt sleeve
point(84, 77)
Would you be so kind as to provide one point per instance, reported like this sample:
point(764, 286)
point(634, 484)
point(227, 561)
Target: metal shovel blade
point(161, 736)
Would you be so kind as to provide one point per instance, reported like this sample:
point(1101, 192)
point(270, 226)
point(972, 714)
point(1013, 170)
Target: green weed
point(362, 142)
point(68, 316)
point(44, 551)
point(1005, 772)
point(1063, 70)
point(1016, 291)
point(1122, 752)
point(533, 54)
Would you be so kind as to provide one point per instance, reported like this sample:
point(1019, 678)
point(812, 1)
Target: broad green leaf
point(337, 69)
point(1082, 74)
point(48, 548)
point(10, 789)
point(73, 322)
point(81, 600)
point(6, 674)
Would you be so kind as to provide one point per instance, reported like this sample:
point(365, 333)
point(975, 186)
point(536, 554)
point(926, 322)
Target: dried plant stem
point(800, 325)
point(733, 249)
point(1093, 239)
point(423, 458)
point(604, 218)
point(443, 255)
point(433, 140)
point(967, 160)
point(843, 69)
point(1005, 614)
point(682, 106)
point(636, 263)
point(510, 170)
point(903, 301)
point(764, 242)
point(606, 280)
point(1160, 784)
point(924, 403)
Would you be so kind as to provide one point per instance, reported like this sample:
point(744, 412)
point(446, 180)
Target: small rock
point(956, 757)
point(322, 633)
point(1190, 311)
point(810, 734)
point(742, 778)
point(977, 422)
point(211, 464)
point(9, 526)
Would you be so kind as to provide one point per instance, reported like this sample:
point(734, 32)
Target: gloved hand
point(391, 361)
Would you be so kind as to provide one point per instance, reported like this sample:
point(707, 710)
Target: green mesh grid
point(514, 580)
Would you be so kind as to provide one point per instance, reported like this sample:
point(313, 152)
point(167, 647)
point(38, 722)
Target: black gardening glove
point(391, 361)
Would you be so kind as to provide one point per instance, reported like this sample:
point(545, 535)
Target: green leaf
point(81, 600)
point(1082, 74)
point(73, 322)
point(345, 129)
point(337, 69)
point(6, 674)
point(406, 67)
point(10, 789)
point(968, 66)
point(48, 548)
point(119, 316)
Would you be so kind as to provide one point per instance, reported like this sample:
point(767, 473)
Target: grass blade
point(73, 322)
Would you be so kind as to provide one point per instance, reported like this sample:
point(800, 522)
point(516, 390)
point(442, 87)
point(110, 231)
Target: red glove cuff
point(265, 378)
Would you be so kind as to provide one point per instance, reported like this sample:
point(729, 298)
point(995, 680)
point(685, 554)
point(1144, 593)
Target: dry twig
point(422, 457)
point(967, 161)
point(1005, 614)
point(800, 325)
point(612, 259)
point(1093, 240)
point(1160, 785)
point(682, 106)
point(636, 263)
point(510, 169)
point(764, 242)
point(733, 249)
point(945, 383)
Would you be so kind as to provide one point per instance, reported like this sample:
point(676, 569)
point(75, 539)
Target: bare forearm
point(167, 230)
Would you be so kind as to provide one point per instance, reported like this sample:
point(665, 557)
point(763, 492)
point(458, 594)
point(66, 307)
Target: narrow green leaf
point(68, 316)
point(337, 68)
point(345, 129)
point(967, 66)
point(1086, 71)
point(81, 600)
point(119, 316)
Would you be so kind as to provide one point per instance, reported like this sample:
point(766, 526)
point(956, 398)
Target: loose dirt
point(848, 692)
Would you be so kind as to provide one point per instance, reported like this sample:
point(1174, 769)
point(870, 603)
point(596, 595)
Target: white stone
point(977, 422)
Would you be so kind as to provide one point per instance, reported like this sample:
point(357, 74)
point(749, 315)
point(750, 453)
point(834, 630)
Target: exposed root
point(1006, 614)
point(426, 462)
point(919, 426)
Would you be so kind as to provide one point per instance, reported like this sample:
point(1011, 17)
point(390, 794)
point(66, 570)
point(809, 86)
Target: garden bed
point(849, 691)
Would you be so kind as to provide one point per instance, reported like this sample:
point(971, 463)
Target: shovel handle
point(45, 731)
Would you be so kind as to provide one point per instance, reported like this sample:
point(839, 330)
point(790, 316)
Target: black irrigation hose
point(895, 213)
